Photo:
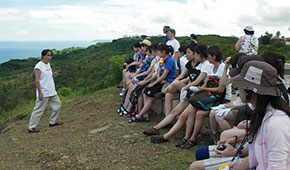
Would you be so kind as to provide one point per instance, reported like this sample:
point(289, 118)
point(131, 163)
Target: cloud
point(111, 19)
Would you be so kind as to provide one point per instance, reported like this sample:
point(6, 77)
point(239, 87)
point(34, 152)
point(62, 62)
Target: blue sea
point(25, 49)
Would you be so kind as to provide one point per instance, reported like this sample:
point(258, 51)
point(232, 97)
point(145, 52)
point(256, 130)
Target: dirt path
point(93, 137)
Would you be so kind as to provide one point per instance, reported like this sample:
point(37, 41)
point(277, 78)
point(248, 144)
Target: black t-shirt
point(193, 73)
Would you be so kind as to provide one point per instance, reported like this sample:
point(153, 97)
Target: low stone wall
point(158, 107)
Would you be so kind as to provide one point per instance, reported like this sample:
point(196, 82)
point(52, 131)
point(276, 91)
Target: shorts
point(151, 91)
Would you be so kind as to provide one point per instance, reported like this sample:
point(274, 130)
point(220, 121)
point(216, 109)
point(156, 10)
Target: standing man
point(173, 43)
point(165, 28)
point(45, 92)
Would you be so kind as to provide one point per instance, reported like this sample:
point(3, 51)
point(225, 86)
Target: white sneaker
point(123, 91)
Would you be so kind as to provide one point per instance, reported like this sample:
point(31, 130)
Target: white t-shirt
point(183, 60)
point(204, 67)
point(219, 74)
point(46, 80)
point(175, 44)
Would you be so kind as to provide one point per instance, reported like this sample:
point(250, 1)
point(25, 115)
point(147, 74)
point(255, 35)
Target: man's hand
point(56, 73)
point(40, 96)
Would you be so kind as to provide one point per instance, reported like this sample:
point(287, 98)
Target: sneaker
point(136, 119)
point(33, 130)
point(123, 91)
point(152, 131)
point(188, 144)
point(159, 95)
point(181, 142)
point(158, 139)
point(56, 124)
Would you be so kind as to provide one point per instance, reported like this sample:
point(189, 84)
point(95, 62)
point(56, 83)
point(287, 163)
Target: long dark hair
point(276, 60)
point(262, 102)
point(201, 49)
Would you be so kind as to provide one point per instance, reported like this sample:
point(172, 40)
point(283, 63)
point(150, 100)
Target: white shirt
point(249, 45)
point(204, 67)
point(174, 44)
point(219, 74)
point(46, 82)
point(183, 60)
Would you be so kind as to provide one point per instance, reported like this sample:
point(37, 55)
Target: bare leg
point(190, 122)
point(169, 97)
point(147, 105)
point(213, 123)
point(175, 87)
point(233, 132)
point(178, 125)
point(200, 115)
point(197, 165)
point(172, 115)
point(222, 121)
point(131, 87)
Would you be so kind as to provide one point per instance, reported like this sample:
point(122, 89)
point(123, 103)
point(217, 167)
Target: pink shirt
point(271, 148)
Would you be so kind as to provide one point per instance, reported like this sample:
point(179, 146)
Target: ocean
point(25, 49)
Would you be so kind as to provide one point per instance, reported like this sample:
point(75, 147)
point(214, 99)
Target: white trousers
point(39, 108)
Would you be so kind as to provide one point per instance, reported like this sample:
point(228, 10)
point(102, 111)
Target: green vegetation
point(86, 70)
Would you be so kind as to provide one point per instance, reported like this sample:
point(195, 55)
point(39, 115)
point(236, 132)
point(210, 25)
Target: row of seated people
point(203, 88)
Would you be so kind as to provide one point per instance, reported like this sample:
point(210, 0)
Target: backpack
point(204, 100)
point(133, 98)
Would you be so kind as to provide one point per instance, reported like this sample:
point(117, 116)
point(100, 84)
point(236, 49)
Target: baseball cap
point(171, 30)
point(259, 77)
point(249, 28)
point(242, 61)
point(145, 42)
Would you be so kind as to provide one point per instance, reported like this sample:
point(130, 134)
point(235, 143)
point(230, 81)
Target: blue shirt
point(170, 65)
point(165, 40)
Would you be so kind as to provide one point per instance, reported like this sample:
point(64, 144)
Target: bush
point(65, 91)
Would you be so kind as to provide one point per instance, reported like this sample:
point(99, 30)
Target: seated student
point(270, 122)
point(172, 91)
point(126, 77)
point(165, 74)
point(138, 86)
point(181, 61)
point(213, 156)
point(216, 69)
point(278, 62)
point(144, 70)
point(196, 72)
point(222, 115)
point(131, 65)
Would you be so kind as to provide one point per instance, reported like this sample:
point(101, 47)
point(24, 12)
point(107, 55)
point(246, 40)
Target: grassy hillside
point(86, 70)
point(93, 136)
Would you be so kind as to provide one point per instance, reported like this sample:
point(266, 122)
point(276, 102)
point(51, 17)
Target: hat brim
point(239, 81)
point(234, 72)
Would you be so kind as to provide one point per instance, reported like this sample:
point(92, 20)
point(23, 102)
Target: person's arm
point(238, 44)
point(244, 165)
point(183, 73)
point(199, 79)
point(144, 73)
point(37, 77)
point(162, 77)
point(56, 73)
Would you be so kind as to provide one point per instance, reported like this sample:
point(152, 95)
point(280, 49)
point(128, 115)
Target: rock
point(101, 129)
point(5, 127)
point(64, 157)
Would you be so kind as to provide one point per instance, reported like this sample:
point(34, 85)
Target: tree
point(278, 33)
point(266, 39)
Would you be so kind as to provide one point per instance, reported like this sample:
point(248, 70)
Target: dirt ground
point(93, 136)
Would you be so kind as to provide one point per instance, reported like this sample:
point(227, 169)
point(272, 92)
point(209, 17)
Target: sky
point(70, 20)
